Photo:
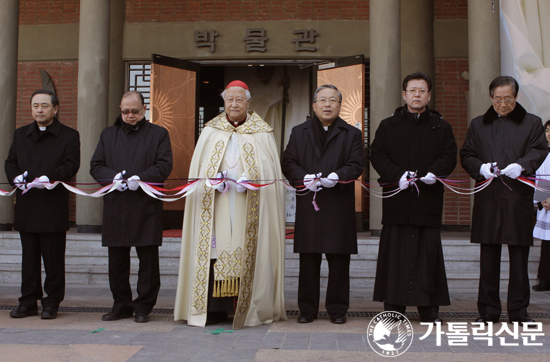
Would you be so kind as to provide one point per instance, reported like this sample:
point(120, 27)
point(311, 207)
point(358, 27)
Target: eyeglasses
point(414, 91)
point(331, 101)
point(505, 100)
point(128, 111)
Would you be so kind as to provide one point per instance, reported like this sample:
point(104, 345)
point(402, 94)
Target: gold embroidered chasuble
point(250, 252)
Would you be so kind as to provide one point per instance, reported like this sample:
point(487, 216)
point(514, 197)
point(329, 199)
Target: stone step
point(92, 257)
point(168, 257)
point(452, 250)
point(366, 246)
point(86, 261)
point(534, 254)
point(463, 243)
point(82, 241)
point(360, 279)
point(98, 275)
point(453, 263)
point(87, 275)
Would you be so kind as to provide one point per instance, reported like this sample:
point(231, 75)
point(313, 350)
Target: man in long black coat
point(140, 150)
point(505, 142)
point(414, 142)
point(42, 151)
point(321, 151)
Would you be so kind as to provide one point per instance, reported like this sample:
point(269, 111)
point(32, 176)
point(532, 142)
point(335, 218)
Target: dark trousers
point(148, 284)
point(544, 263)
point(337, 300)
point(488, 300)
point(51, 248)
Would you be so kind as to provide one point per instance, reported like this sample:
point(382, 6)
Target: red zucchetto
point(238, 83)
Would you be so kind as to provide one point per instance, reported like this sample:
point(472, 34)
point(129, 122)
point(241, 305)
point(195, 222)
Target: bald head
point(133, 94)
point(132, 107)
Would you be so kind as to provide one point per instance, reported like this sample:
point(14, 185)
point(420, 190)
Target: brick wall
point(452, 9)
point(34, 12)
point(169, 11)
point(65, 79)
point(39, 12)
point(452, 103)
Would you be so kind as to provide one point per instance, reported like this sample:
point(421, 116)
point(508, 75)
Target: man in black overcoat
point(501, 145)
point(43, 151)
point(322, 151)
point(415, 143)
point(132, 150)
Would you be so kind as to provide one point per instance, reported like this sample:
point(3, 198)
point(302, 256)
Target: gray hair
point(326, 86)
point(503, 81)
point(248, 96)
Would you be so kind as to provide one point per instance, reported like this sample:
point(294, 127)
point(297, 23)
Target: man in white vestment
point(232, 253)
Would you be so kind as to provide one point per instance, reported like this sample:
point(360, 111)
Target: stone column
point(417, 39)
point(483, 53)
point(93, 99)
point(117, 66)
point(385, 79)
point(9, 34)
point(483, 58)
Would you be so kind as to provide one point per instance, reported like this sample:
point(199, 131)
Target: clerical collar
point(42, 128)
point(235, 124)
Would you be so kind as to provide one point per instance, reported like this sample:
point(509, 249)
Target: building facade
point(94, 50)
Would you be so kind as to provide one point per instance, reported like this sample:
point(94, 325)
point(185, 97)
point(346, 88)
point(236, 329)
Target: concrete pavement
point(69, 337)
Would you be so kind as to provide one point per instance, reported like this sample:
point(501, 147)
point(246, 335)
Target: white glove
point(330, 181)
point(241, 188)
point(311, 183)
point(513, 170)
point(404, 180)
point(38, 183)
point(486, 171)
point(429, 179)
point(221, 187)
point(20, 180)
point(133, 183)
point(122, 186)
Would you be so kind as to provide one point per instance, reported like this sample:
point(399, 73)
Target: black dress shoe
point(141, 318)
point(22, 312)
point(306, 318)
point(338, 318)
point(49, 313)
point(485, 319)
point(115, 316)
point(542, 286)
point(522, 319)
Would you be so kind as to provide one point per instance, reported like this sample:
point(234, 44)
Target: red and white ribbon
point(168, 195)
